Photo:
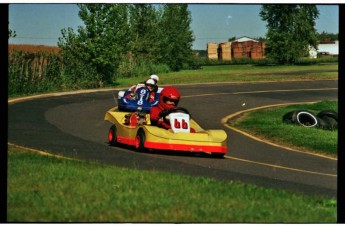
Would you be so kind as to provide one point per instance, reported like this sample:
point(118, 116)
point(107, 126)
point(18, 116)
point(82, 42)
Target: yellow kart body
point(136, 130)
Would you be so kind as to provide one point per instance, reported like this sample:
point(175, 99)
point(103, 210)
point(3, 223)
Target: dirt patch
point(238, 118)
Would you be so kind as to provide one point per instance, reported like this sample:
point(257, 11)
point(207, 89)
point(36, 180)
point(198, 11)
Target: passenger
point(156, 79)
point(168, 98)
point(135, 88)
point(150, 85)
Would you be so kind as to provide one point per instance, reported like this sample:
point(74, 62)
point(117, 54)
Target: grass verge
point(225, 73)
point(49, 189)
point(268, 124)
point(241, 73)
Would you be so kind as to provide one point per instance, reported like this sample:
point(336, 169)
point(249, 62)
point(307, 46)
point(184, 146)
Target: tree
point(176, 36)
point(291, 31)
point(232, 39)
point(327, 36)
point(128, 39)
point(143, 28)
point(11, 33)
point(103, 41)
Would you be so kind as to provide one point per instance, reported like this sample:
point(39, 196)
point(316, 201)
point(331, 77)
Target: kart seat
point(135, 119)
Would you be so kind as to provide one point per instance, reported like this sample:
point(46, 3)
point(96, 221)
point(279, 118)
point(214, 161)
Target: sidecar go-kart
point(135, 129)
point(138, 102)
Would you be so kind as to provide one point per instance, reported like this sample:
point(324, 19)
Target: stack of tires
point(327, 119)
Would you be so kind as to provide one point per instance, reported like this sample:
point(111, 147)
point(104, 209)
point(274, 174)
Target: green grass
point(268, 123)
point(241, 73)
point(225, 73)
point(49, 189)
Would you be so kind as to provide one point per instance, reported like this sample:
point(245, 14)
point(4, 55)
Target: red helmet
point(169, 93)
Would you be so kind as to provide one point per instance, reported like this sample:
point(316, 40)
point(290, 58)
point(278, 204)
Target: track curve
point(73, 126)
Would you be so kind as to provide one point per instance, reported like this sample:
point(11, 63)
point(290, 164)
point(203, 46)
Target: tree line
point(124, 40)
point(323, 36)
point(128, 40)
point(291, 31)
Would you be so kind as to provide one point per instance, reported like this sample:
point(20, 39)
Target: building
point(212, 51)
point(243, 47)
point(325, 48)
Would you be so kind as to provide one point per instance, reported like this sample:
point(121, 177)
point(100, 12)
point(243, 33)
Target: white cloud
point(228, 19)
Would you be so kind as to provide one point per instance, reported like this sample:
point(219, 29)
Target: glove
point(163, 113)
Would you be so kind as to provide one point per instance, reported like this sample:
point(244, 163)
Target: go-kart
point(135, 129)
point(137, 102)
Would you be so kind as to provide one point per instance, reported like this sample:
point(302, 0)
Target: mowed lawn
point(242, 73)
point(49, 189)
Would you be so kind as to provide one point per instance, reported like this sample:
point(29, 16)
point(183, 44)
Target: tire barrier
point(327, 119)
point(302, 117)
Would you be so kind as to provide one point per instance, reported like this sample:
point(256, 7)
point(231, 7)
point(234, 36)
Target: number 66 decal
point(179, 122)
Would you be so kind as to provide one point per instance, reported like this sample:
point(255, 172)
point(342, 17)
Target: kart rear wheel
point(112, 137)
point(140, 141)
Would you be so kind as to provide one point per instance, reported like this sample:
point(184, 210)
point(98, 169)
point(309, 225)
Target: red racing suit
point(156, 120)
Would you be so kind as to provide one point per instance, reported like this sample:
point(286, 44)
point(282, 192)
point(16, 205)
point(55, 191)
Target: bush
point(308, 61)
point(244, 60)
point(130, 67)
point(204, 61)
point(78, 75)
point(264, 62)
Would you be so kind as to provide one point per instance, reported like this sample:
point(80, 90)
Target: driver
point(169, 98)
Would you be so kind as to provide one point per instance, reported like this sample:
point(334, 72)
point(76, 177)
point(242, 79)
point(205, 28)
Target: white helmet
point(150, 81)
point(155, 77)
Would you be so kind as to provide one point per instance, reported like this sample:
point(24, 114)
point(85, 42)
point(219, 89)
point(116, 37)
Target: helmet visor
point(174, 101)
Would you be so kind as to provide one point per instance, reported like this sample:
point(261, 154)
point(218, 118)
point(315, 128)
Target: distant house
point(245, 39)
point(243, 47)
point(325, 48)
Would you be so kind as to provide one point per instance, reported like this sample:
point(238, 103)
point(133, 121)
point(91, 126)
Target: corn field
point(32, 70)
point(38, 69)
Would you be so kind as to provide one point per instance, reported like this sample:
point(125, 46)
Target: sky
point(41, 24)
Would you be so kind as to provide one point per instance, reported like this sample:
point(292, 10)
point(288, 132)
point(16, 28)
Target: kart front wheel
point(140, 141)
point(112, 137)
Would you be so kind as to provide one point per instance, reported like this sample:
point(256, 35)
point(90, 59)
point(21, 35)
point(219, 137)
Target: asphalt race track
point(72, 125)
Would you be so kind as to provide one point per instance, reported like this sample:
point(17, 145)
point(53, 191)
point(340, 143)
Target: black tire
point(288, 117)
point(302, 117)
point(329, 119)
point(328, 113)
point(328, 123)
point(112, 136)
point(140, 141)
